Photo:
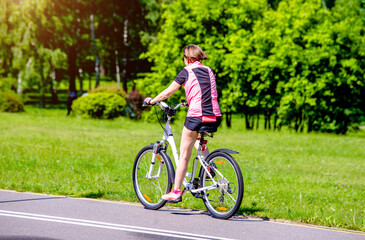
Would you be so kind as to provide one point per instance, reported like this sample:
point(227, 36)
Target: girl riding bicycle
point(201, 94)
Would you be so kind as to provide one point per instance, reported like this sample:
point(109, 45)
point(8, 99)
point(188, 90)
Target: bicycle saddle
point(207, 129)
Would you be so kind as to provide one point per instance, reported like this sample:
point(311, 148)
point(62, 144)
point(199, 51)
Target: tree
point(5, 41)
point(35, 54)
point(118, 31)
point(301, 61)
point(75, 16)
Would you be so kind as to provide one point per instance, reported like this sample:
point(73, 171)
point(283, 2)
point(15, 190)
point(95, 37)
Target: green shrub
point(99, 105)
point(110, 89)
point(7, 84)
point(10, 102)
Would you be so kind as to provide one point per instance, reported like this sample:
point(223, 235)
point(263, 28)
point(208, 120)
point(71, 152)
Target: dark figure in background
point(70, 98)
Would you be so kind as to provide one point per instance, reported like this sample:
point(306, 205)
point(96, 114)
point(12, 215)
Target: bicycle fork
point(153, 161)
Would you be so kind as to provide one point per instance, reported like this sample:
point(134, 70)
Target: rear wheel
point(150, 189)
point(225, 200)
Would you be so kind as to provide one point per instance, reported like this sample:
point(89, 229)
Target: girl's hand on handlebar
point(147, 102)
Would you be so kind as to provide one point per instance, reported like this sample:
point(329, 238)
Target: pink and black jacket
point(201, 91)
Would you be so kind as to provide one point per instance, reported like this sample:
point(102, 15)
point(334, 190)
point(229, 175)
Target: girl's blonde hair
point(194, 53)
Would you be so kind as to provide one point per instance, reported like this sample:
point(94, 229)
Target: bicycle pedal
point(198, 195)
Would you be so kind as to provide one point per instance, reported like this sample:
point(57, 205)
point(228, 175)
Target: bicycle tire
point(224, 201)
point(149, 191)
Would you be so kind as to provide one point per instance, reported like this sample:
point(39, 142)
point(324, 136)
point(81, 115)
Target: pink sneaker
point(173, 197)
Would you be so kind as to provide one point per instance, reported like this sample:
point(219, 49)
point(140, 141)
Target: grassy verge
point(314, 178)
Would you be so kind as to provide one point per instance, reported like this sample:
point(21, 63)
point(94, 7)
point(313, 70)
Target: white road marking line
point(277, 221)
point(105, 225)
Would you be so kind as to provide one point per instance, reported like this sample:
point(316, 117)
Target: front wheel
point(224, 200)
point(151, 181)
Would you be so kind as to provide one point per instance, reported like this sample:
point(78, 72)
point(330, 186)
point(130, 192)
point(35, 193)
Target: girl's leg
point(188, 139)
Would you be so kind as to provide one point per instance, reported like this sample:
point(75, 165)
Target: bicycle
point(219, 185)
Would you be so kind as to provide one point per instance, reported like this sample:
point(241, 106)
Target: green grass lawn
point(314, 178)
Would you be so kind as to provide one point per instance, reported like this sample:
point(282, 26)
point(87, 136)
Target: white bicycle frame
point(169, 138)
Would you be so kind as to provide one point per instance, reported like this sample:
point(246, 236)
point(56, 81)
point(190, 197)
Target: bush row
point(109, 103)
point(10, 102)
point(101, 103)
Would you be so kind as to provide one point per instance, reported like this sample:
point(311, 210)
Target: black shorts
point(195, 123)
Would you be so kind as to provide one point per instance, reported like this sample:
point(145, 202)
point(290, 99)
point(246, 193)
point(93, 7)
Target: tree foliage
point(44, 42)
point(300, 63)
point(297, 63)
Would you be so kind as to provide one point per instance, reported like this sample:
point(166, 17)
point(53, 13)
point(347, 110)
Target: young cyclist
point(201, 94)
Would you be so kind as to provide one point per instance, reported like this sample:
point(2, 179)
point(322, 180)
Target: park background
point(290, 77)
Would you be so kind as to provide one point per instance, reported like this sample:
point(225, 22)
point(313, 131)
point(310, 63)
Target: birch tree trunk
point(324, 4)
point(53, 85)
point(117, 69)
point(96, 55)
point(81, 80)
point(125, 59)
point(116, 52)
point(20, 87)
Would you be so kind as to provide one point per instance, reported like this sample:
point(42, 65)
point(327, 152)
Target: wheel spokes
point(222, 199)
point(151, 189)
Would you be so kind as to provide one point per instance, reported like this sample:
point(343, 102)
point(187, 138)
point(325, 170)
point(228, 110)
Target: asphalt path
point(48, 217)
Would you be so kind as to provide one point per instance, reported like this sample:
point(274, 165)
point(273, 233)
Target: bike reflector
point(222, 208)
point(220, 162)
point(159, 158)
point(147, 197)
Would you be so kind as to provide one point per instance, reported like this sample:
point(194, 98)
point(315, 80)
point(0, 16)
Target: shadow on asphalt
point(24, 238)
point(31, 199)
point(237, 218)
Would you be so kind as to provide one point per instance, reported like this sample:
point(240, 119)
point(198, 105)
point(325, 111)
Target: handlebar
point(183, 104)
point(170, 111)
point(164, 106)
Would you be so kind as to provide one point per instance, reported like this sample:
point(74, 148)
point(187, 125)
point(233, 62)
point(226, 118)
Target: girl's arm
point(166, 93)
